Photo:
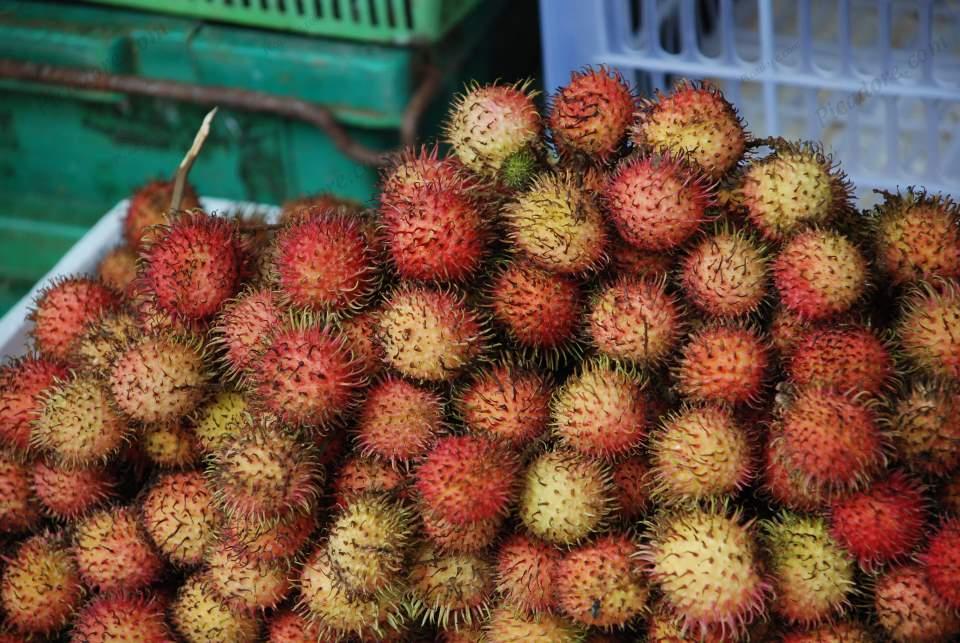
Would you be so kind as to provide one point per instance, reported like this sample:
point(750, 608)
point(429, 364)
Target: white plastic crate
point(878, 81)
point(83, 258)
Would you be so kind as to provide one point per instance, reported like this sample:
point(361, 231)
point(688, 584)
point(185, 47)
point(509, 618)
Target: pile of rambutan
point(615, 370)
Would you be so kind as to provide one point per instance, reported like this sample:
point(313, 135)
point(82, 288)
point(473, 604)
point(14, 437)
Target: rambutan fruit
point(362, 475)
point(519, 168)
point(526, 573)
point(68, 493)
point(845, 358)
point(508, 625)
point(224, 416)
point(540, 310)
point(916, 236)
point(325, 264)
point(882, 523)
point(302, 207)
point(170, 445)
point(118, 268)
point(635, 319)
point(942, 561)
point(113, 551)
point(794, 187)
point(694, 120)
point(506, 403)
point(263, 473)
point(243, 327)
point(786, 486)
point(200, 616)
point(40, 587)
point(657, 202)
point(429, 334)
point(337, 612)
point(179, 514)
point(631, 487)
point(665, 627)
point(707, 566)
point(837, 632)
point(193, 264)
point(467, 478)
point(272, 539)
point(449, 590)
point(787, 328)
point(289, 627)
point(929, 330)
point(306, 375)
point(565, 497)
point(78, 426)
point(19, 509)
point(94, 349)
point(23, 386)
point(367, 544)
point(630, 261)
point(415, 167)
point(121, 617)
point(361, 334)
point(813, 574)
point(832, 440)
point(926, 428)
point(158, 378)
point(725, 274)
point(589, 116)
point(489, 123)
point(910, 610)
point(723, 363)
point(62, 311)
point(699, 452)
point(435, 231)
point(148, 207)
point(557, 225)
point(245, 583)
point(467, 537)
point(600, 585)
point(399, 420)
point(819, 274)
point(600, 411)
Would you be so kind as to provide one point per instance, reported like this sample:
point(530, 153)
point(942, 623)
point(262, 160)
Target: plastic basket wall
point(383, 21)
point(878, 81)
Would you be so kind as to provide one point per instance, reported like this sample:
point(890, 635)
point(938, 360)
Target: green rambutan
point(40, 588)
point(589, 116)
point(121, 617)
point(845, 358)
point(399, 420)
point(725, 274)
point(245, 583)
point(118, 268)
point(23, 386)
point(694, 120)
point(148, 208)
point(636, 320)
point(429, 334)
point(926, 428)
point(113, 551)
point(68, 493)
point(224, 416)
point(518, 168)
point(19, 509)
point(179, 514)
point(243, 327)
point(200, 616)
point(631, 486)
point(170, 445)
point(565, 497)
point(526, 573)
point(723, 363)
point(942, 561)
point(449, 590)
point(362, 475)
point(910, 610)
point(600, 411)
point(289, 627)
point(929, 329)
point(506, 403)
point(62, 311)
point(508, 625)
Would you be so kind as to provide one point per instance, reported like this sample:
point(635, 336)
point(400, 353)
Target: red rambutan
point(590, 115)
point(506, 403)
point(725, 274)
point(399, 420)
point(526, 573)
point(148, 207)
point(845, 358)
point(179, 514)
point(929, 329)
point(67, 493)
point(23, 386)
point(62, 311)
point(910, 610)
point(121, 617)
point(113, 552)
point(723, 363)
point(244, 326)
point(18, 507)
point(942, 561)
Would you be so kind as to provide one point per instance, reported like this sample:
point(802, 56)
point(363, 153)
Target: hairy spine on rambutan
point(113, 551)
point(23, 386)
point(149, 206)
point(929, 329)
point(243, 327)
point(589, 116)
point(63, 309)
point(725, 274)
point(926, 428)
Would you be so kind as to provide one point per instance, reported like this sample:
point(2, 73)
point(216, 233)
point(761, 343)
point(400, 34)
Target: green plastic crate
point(398, 22)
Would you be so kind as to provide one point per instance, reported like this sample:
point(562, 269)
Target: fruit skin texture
point(290, 627)
point(698, 453)
point(158, 378)
point(508, 625)
point(725, 274)
point(590, 115)
point(631, 487)
point(201, 617)
point(192, 265)
point(565, 497)
point(929, 330)
point(113, 552)
point(926, 428)
point(243, 327)
point(179, 514)
point(119, 618)
point(556, 224)
point(465, 538)
point(467, 478)
point(414, 167)
point(450, 590)
point(910, 610)
point(399, 420)
point(635, 320)
point(657, 203)
point(170, 446)
point(852, 358)
point(707, 566)
point(814, 575)
point(831, 440)
point(787, 486)
point(600, 411)
point(363, 475)
point(118, 268)
point(604, 569)
point(819, 274)
point(489, 123)
point(40, 587)
point(506, 403)
point(724, 364)
point(18, 508)
point(148, 207)
point(842, 632)
point(62, 311)
point(429, 334)
point(942, 560)
point(224, 416)
point(67, 494)
point(269, 540)
point(22, 385)
point(526, 573)
point(916, 236)
point(243, 583)
point(694, 120)
point(881, 523)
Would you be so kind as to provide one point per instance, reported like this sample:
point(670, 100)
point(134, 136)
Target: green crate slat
point(397, 22)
